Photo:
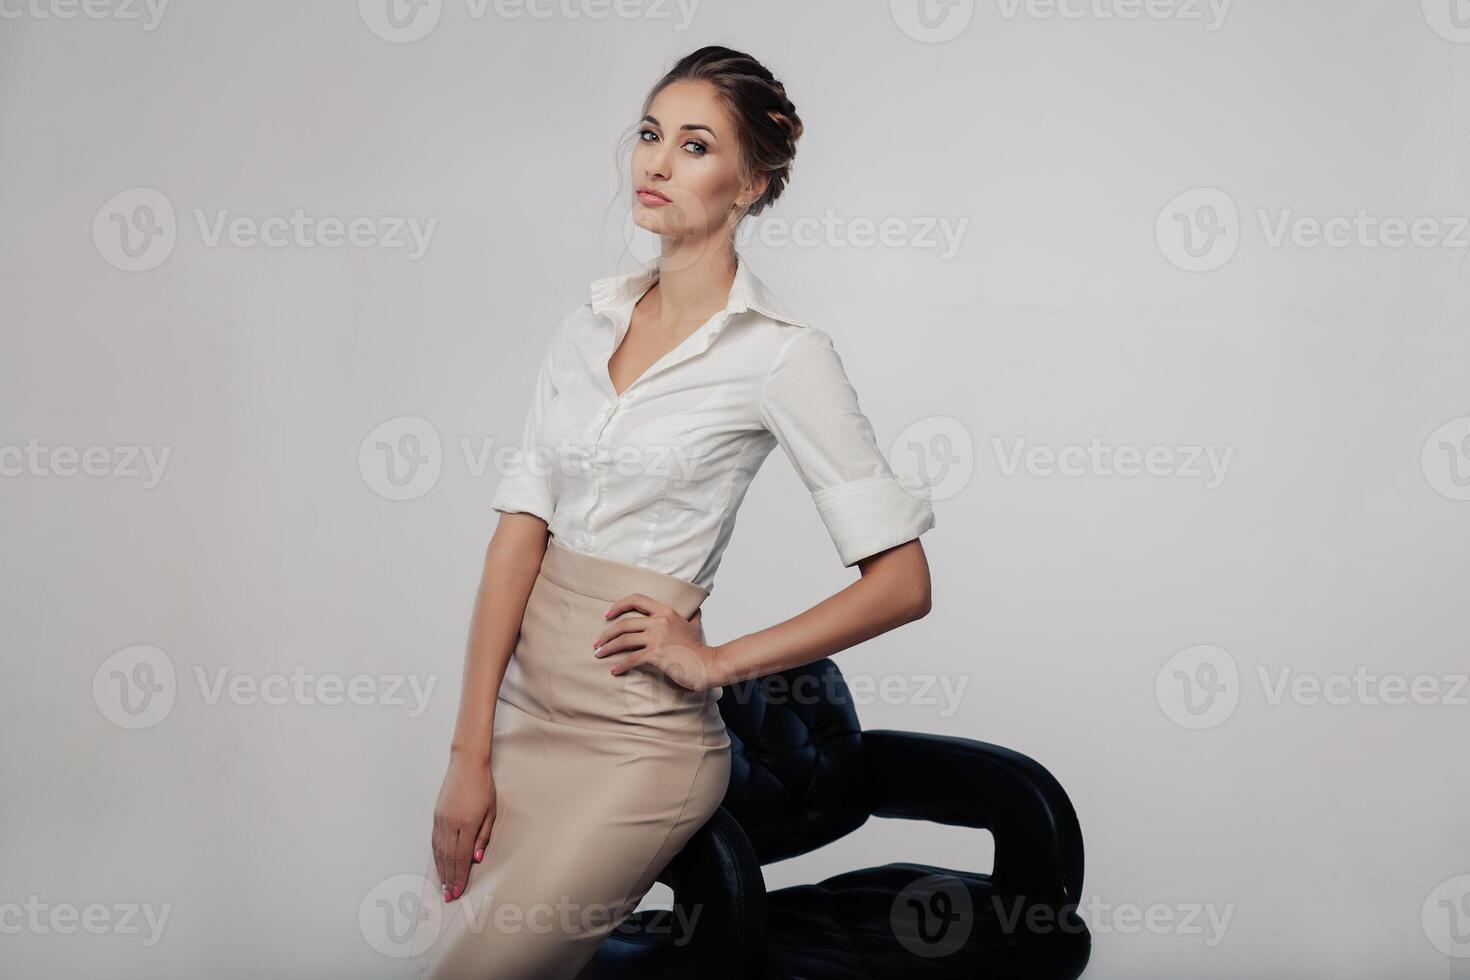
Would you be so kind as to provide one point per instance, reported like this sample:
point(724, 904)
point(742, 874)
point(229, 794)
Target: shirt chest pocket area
point(680, 459)
point(690, 457)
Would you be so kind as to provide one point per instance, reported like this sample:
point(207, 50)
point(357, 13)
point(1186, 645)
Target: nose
point(658, 162)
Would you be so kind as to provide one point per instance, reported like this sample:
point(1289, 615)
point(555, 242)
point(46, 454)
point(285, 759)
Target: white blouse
point(655, 476)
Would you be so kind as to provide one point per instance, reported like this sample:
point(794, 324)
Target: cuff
point(875, 513)
point(523, 490)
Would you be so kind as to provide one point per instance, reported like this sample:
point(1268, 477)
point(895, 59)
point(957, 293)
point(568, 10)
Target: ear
point(757, 187)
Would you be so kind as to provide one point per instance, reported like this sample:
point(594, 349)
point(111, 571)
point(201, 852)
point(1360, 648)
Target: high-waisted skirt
point(600, 781)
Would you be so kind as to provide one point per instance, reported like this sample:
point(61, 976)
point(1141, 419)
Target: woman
point(589, 747)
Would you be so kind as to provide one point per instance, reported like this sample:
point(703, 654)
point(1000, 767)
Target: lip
point(652, 197)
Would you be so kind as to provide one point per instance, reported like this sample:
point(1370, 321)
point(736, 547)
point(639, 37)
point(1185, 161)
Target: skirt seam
point(683, 808)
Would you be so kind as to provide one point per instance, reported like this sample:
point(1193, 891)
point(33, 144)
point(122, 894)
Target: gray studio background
point(1222, 249)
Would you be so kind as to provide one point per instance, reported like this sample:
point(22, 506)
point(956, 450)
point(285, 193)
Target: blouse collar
point(616, 296)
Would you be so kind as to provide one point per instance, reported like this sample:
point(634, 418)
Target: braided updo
point(767, 120)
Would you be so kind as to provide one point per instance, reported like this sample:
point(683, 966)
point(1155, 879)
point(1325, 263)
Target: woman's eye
point(699, 148)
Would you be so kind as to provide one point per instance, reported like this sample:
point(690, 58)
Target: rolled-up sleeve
point(525, 486)
point(808, 404)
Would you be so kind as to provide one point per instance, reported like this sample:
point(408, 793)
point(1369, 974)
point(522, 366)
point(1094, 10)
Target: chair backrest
point(797, 779)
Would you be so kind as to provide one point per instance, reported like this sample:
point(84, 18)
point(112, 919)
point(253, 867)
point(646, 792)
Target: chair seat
point(848, 927)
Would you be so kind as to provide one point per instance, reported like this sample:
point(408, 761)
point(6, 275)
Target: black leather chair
point(804, 774)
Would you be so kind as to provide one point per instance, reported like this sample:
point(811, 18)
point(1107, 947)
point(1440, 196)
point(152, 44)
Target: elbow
point(921, 593)
point(905, 585)
point(919, 601)
point(915, 591)
point(921, 606)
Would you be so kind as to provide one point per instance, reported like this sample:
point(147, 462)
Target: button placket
point(599, 458)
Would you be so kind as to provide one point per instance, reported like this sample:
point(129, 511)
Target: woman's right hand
point(463, 816)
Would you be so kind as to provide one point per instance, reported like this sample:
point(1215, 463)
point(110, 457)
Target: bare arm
point(465, 810)
point(512, 560)
point(894, 589)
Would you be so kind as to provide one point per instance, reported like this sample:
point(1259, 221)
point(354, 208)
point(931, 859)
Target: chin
point(650, 220)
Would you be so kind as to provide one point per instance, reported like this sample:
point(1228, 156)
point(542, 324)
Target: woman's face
point(687, 156)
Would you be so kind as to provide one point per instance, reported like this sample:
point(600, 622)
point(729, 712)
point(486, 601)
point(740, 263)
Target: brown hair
point(767, 121)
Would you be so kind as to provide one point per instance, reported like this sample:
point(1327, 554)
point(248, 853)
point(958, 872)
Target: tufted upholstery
point(797, 777)
point(805, 774)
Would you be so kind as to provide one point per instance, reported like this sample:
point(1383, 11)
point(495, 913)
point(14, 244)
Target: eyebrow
point(686, 126)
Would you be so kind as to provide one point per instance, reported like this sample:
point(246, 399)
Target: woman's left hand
point(661, 638)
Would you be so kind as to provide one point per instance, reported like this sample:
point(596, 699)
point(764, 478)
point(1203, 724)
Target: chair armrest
point(719, 891)
point(718, 874)
point(967, 783)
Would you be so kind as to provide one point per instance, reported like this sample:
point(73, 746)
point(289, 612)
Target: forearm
point(512, 560)
point(894, 590)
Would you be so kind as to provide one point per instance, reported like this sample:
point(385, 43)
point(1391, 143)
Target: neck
point(693, 285)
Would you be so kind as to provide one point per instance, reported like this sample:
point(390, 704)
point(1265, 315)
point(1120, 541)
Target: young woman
point(589, 747)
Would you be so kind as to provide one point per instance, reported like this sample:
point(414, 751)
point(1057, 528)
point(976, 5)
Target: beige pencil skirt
point(600, 781)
